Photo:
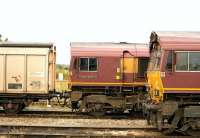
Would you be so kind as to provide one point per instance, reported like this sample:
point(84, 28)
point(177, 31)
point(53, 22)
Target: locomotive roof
point(26, 44)
point(177, 40)
point(108, 49)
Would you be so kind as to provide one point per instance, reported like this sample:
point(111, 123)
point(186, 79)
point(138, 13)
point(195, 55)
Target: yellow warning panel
point(129, 65)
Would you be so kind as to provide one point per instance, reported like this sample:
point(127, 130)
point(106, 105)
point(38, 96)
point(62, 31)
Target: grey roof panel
point(25, 44)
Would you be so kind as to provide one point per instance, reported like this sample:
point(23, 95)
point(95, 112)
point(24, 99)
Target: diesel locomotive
point(174, 85)
point(108, 76)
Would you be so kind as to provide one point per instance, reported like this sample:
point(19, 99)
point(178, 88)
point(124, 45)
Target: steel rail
point(72, 115)
point(76, 131)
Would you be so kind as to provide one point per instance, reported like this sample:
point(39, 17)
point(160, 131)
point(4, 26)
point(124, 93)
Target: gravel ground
point(63, 122)
point(44, 107)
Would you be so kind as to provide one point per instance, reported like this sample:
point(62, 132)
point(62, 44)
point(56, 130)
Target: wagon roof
point(25, 44)
point(108, 49)
point(177, 40)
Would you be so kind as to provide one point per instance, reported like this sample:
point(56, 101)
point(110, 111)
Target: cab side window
point(188, 61)
point(92, 64)
point(88, 64)
point(83, 64)
point(169, 61)
point(194, 61)
point(182, 61)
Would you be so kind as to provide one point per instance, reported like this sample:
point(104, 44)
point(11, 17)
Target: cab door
point(129, 68)
point(142, 67)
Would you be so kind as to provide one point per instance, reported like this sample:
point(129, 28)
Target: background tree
point(3, 40)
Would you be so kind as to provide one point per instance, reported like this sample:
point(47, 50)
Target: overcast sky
point(65, 21)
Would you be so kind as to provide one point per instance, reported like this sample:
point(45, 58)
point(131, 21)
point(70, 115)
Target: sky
point(65, 21)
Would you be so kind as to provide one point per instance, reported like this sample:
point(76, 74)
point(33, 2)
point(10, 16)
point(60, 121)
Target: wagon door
point(15, 65)
point(36, 74)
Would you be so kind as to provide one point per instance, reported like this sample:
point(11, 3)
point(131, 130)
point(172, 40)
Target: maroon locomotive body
point(108, 65)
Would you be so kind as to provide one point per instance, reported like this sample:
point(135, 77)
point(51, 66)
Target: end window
point(88, 64)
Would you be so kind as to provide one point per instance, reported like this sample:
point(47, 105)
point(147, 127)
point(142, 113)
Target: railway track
point(84, 132)
point(72, 115)
point(40, 126)
point(76, 128)
point(69, 124)
point(76, 131)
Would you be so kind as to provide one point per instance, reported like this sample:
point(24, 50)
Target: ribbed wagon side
point(27, 73)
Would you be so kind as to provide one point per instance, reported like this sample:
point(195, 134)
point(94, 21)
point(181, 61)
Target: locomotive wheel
point(159, 121)
point(12, 108)
point(151, 118)
point(95, 109)
point(194, 133)
point(97, 113)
